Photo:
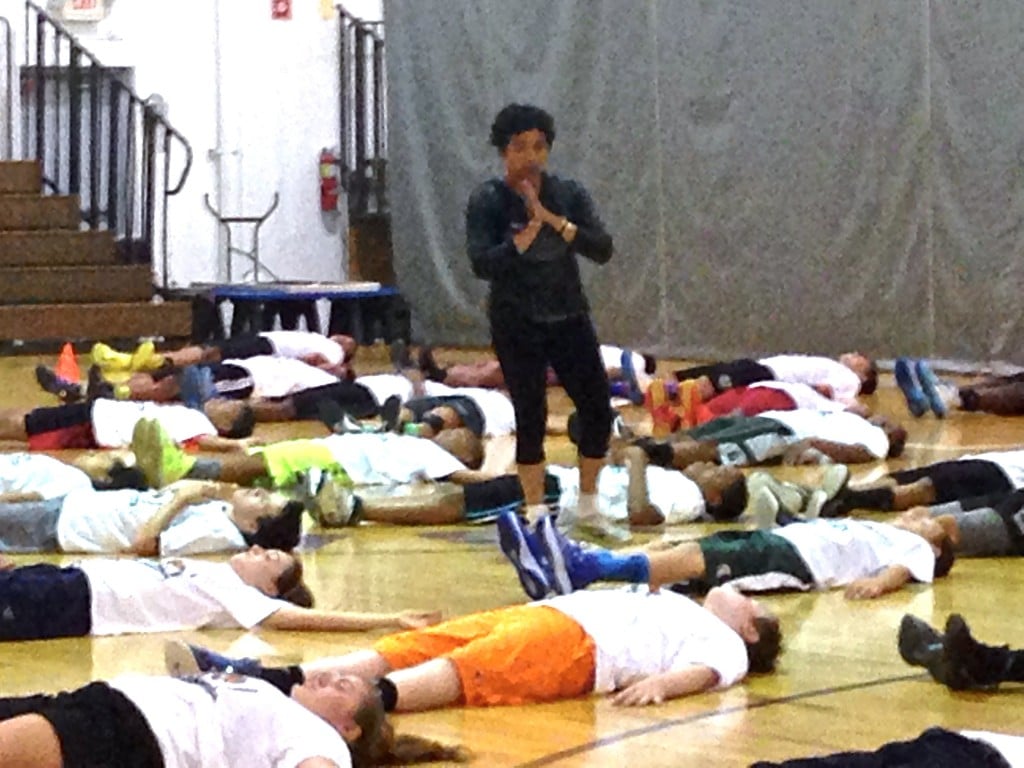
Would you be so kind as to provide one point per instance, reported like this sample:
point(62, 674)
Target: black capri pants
point(525, 349)
point(729, 374)
point(955, 480)
point(97, 726)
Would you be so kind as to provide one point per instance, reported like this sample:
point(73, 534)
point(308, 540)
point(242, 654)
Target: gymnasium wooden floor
point(840, 684)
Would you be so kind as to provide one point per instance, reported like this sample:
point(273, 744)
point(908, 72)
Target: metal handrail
point(361, 73)
point(96, 138)
point(9, 43)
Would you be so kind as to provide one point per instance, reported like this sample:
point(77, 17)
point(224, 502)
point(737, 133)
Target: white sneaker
point(834, 480)
point(764, 507)
point(817, 500)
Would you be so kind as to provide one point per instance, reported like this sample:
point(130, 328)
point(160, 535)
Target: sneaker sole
point(513, 545)
point(148, 451)
point(834, 480)
point(562, 584)
point(911, 390)
point(179, 660)
point(913, 634)
point(929, 380)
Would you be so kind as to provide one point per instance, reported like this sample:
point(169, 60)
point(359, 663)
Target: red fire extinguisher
point(329, 183)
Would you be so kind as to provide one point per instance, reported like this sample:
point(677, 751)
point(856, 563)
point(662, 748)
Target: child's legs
point(515, 655)
point(283, 462)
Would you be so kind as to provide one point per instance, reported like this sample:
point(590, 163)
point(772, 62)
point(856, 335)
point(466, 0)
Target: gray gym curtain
point(779, 175)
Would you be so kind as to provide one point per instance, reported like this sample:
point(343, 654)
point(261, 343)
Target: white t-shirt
point(841, 427)
point(838, 552)
point(803, 395)
point(385, 459)
point(811, 369)
point(299, 344)
point(384, 385)
point(113, 421)
point(281, 376)
point(499, 415)
point(133, 596)
point(1010, 462)
point(230, 721)
point(676, 495)
point(38, 473)
point(639, 634)
point(98, 522)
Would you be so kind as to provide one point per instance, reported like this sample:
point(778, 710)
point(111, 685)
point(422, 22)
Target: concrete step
point(95, 322)
point(56, 247)
point(20, 177)
point(21, 212)
point(75, 285)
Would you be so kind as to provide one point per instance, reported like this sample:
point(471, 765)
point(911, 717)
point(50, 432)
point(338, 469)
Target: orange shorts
point(518, 655)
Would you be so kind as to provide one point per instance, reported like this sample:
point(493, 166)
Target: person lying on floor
point(844, 378)
point(641, 647)
point(330, 353)
point(222, 425)
point(327, 721)
point(100, 596)
point(792, 437)
point(934, 748)
point(618, 364)
point(868, 559)
point(56, 509)
point(970, 476)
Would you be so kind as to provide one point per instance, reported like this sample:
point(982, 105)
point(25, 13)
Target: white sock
point(587, 505)
point(535, 512)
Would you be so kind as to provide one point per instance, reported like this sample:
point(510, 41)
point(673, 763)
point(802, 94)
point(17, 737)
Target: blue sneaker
point(636, 396)
point(906, 380)
point(523, 551)
point(183, 659)
point(572, 565)
point(930, 384)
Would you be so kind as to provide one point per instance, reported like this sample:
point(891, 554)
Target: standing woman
point(523, 233)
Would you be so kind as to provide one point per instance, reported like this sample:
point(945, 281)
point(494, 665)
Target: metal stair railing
point(96, 138)
point(363, 111)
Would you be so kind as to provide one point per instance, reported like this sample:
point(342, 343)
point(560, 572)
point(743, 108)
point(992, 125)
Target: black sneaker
point(963, 663)
point(920, 645)
point(98, 387)
point(329, 413)
point(66, 391)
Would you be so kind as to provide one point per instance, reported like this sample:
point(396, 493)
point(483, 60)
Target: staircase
point(59, 282)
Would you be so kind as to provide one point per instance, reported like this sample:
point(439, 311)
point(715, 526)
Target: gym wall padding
point(779, 175)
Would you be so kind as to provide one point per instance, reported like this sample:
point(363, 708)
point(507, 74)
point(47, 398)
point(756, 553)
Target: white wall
point(257, 99)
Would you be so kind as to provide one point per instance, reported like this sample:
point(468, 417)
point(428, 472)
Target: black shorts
point(42, 601)
point(730, 555)
point(241, 347)
point(97, 726)
point(487, 499)
point(955, 480)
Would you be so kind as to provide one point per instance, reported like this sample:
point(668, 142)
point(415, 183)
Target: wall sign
point(83, 10)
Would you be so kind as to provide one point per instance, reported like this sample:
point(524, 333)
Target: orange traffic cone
point(67, 365)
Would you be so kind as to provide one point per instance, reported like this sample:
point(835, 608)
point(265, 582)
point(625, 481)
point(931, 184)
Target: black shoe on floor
point(98, 387)
point(329, 413)
point(920, 645)
point(67, 391)
point(965, 663)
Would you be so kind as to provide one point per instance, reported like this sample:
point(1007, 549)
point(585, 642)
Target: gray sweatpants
point(30, 526)
point(983, 532)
